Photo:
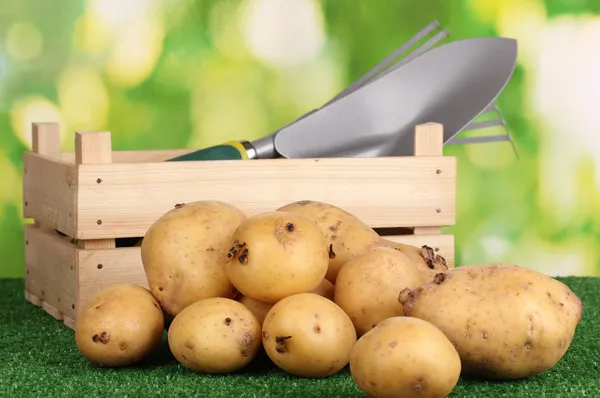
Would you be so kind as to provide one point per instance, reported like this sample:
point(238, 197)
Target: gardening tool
point(451, 84)
point(371, 117)
point(264, 147)
point(484, 139)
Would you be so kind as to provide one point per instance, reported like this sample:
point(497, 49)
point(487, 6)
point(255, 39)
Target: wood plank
point(51, 272)
point(45, 139)
point(429, 141)
point(383, 192)
point(49, 190)
point(94, 148)
point(100, 268)
point(145, 156)
point(442, 244)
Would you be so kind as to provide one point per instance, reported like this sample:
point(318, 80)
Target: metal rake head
point(396, 60)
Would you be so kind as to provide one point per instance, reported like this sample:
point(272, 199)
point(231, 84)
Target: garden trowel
point(451, 85)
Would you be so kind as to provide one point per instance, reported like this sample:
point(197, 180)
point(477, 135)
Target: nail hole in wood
point(73, 306)
point(99, 222)
point(438, 210)
point(26, 203)
point(70, 215)
point(59, 299)
point(438, 171)
point(72, 268)
point(99, 180)
point(100, 266)
point(27, 272)
point(26, 242)
point(437, 249)
point(43, 292)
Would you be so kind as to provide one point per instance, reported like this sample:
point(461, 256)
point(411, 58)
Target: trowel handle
point(233, 150)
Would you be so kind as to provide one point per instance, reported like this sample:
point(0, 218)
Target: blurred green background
point(193, 73)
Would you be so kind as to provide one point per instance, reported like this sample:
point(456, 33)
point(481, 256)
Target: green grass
point(38, 357)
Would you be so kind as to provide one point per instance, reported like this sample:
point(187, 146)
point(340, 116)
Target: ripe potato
point(260, 309)
point(325, 289)
point(184, 253)
point(308, 335)
point(276, 254)
point(405, 357)
point(367, 286)
point(257, 308)
point(215, 335)
point(506, 321)
point(119, 326)
point(348, 237)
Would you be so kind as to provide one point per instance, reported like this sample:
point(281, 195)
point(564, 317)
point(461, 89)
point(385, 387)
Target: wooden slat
point(442, 244)
point(45, 139)
point(429, 141)
point(99, 268)
point(135, 156)
point(51, 271)
point(94, 148)
point(383, 192)
point(49, 192)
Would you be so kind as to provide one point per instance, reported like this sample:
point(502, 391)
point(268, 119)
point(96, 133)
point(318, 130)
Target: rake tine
point(373, 72)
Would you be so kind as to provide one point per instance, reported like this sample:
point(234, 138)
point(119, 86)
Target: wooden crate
point(100, 197)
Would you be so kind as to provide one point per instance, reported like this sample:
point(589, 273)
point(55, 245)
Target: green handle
point(226, 151)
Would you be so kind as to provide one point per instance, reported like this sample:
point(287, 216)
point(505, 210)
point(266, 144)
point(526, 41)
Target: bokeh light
point(83, 99)
point(284, 33)
point(24, 41)
point(30, 109)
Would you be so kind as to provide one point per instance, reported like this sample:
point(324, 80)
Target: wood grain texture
point(94, 148)
point(99, 268)
point(382, 192)
point(135, 156)
point(49, 192)
point(45, 139)
point(51, 271)
point(429, 141)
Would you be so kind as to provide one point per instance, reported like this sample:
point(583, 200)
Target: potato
point(215, 335)
point(257, 308)
point(275, 255)
point(308, 335)
point(348, 237)
point(184, 253)
point(260, 309)
point(325, 289)
point(367, 286)
point(119, 326)
point(405, 357)
point(506, 321)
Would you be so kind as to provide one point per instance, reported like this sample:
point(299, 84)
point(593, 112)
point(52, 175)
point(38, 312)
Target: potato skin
point(367, 286)
point(325, 289)
point(405, 357)
point(119, 326)
point(184, 253)
point(308, 335)
point(276, 254)
point(506, 321)
point(215, 335)
point(348, 237)
point(260, 310)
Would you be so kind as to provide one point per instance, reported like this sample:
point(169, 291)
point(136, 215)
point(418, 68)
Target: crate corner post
point(429, 142)
point(93, 148)
point(48, 251)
